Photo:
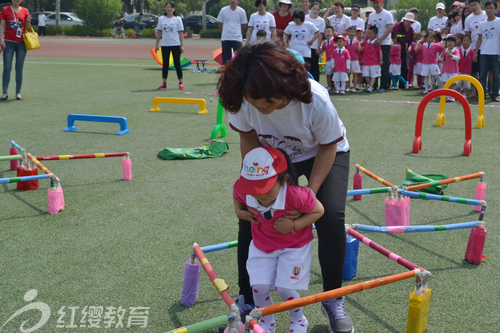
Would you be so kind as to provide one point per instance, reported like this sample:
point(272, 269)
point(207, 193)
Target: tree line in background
point(99, 14)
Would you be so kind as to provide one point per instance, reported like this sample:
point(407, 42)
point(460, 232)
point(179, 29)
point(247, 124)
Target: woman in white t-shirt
point(262, 20)
point(171, 33)
point(339, 22)
point(301, 34)
point(316, 46)
point(273, 103)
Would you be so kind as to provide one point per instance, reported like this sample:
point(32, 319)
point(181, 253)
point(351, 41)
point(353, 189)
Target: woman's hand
point(283, 225)
point(157, 48)
point(248, 216)
point(182, 49)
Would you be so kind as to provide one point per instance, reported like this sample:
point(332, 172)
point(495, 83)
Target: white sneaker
point(342, 92)
point(353, 90)
point(407, 86)
point(329, 88)
point(337, 92)
point(301, 326)
point(394, 88)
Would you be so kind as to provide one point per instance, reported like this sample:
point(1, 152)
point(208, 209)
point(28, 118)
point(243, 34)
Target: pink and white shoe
point(342, 92)
point(181, 86)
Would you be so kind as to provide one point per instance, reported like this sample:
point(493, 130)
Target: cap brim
point(255, 187)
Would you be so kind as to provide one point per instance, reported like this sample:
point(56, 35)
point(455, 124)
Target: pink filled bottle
point(127, 168)
point(357, 184)
point(13, 163)
point(191, 285)
point(475, 246)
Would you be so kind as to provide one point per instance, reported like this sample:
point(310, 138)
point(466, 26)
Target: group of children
point(432, 59)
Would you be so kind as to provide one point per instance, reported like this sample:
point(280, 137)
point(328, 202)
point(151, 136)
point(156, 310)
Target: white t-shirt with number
point(472, 25)
point(298, 128)
point(170, 27)
point(381, 21)
point(299, 35)
point(261, 22)
point(231, 23)
point(490, 36)
point(320, 24)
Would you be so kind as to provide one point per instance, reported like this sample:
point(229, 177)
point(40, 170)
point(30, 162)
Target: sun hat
point(409, 17)
point(440, 5)
point(286, 2)
point(260, 170)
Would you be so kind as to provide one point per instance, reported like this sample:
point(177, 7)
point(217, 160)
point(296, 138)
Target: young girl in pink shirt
point(412, 59)
point(342, 63)
point(395, 66)
point(465, 64)
point(430, 69)
point(450, 57)
point(278, 257)
point(352, 45)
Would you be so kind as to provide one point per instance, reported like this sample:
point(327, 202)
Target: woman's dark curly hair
point(263, 69)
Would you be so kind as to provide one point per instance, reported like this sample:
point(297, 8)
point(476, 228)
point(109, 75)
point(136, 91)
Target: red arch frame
point(417, 141)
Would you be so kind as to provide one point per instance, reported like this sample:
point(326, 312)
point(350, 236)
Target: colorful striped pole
point(372, 175)
point(393, 256)
point(445, 181)
point(80, 156)
point(14, 144)
point(206, 324)
point(326, 295)
point(24, 178)
point(368, 191)
point(220, 246)
point(220, 284)
point(414, 228)
point(38, 164)
point(11, 157)
point(465, 201)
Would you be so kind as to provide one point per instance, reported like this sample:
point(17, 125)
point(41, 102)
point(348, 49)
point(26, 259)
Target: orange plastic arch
point(480, 93)
point(417, 141)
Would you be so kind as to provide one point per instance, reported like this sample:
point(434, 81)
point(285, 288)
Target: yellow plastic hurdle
point(201, 102)
point(480, 93)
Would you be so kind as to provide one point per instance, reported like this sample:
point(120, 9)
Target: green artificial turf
point(124, 243)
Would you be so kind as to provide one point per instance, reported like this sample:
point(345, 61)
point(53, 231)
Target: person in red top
point(283, 16)
point(277, 257)
point(395, 66)
point(372, 58)
point(341, 65)
point(14, 21)
point(430, 69)
point(465, 64)
point(352, 45)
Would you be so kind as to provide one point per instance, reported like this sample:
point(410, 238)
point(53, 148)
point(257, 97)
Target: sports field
point(116, 254)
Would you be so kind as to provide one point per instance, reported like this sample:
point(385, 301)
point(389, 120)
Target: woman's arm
point(2, 32)
point(181, 38)
point(27, 23)
point(316, 36)
point(273, 33)
point(322, 166)
point(248, 141)
point(158, 38)
point(249, 34)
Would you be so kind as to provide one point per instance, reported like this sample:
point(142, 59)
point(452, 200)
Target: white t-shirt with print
point(381, 21)
point(358, 23)
point(417, 26)
point(299, 35)
point(472, 25)
point(231, 23)
point(170, 27)
point(339, 25)
point(298, 128)
point(320, 24)
point(490, 36)
point(437, 23)
point(261, 22)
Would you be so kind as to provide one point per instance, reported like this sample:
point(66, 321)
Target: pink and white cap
point(260, 170)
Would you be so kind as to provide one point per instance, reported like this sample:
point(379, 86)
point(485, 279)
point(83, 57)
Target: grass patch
point(124, 243)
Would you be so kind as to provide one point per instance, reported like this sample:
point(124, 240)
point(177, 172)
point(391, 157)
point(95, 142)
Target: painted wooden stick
point(437, 197)
point(368, 191)
point(414, 228)
point(445, 181)
point(374, 176)
point(11, 157)
point(79, 156)
point(24, 178)
point(205, 325)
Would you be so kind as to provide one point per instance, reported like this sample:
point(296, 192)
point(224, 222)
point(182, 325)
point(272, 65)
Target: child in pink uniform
point(281, 250)
point(360, 33)
point(372, 58)
point(341, 64)
point(329, 47)
point(465, 64)
point(430, 69)
point(395, 66)
point(412, 58)
point(450, 57)
point(352, 45)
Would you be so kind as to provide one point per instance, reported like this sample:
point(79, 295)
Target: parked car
point(34, 17)
point(193, 22)
point(65, 18)
point(150, 20)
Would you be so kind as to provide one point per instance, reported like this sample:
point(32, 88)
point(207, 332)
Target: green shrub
point(129, 32)
point(210, 33)
point(52, 30)
point(98, 14)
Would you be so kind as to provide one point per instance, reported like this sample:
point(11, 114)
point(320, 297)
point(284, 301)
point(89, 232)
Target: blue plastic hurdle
point(103, 119)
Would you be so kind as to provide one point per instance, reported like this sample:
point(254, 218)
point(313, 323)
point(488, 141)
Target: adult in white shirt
point(232, 20)
point(171, 33)
point(301, 34)
point(338, 20)
point(488, 41)
point(456, 23)
point(438, 21)
point(262, 20)
point(356, 21)
point(471, 28)
point(316, 46)
point(417, 26)
point(384, 22)
point(42, 20)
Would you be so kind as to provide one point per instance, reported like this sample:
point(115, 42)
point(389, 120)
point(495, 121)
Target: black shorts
point(475, 65)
